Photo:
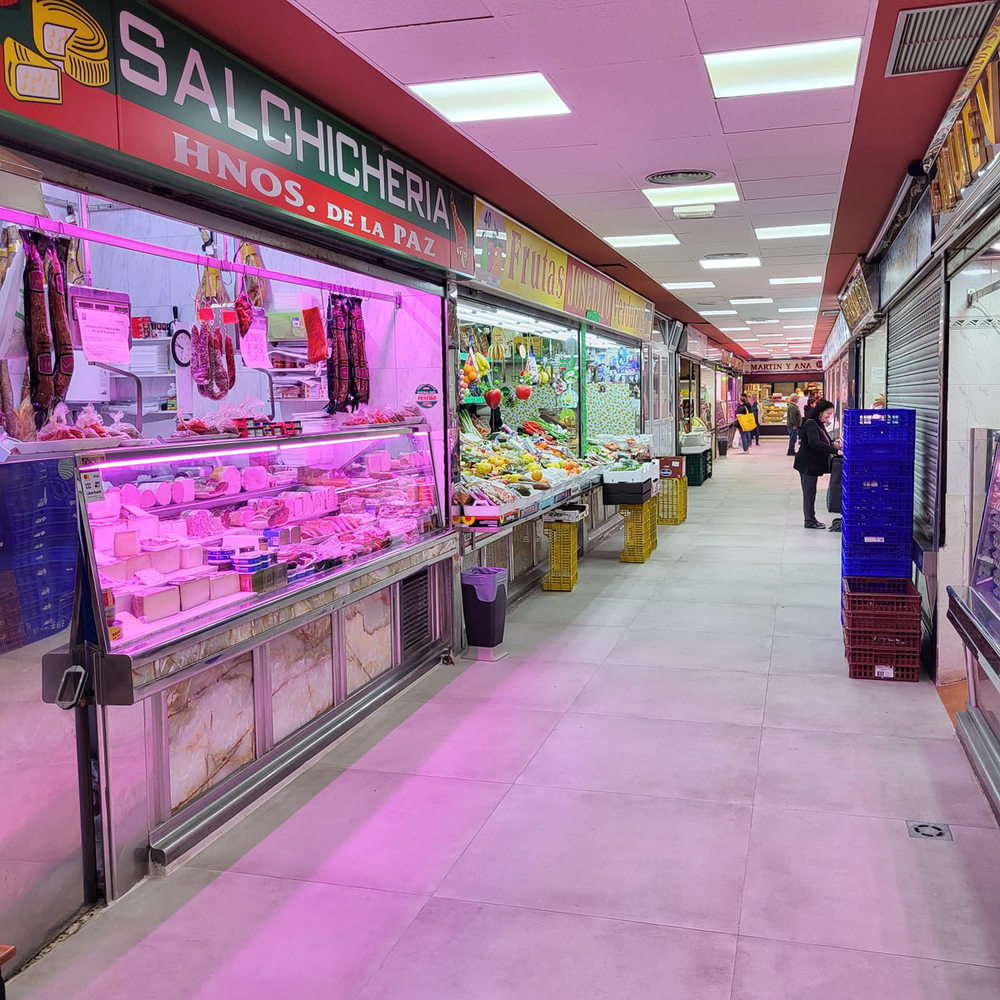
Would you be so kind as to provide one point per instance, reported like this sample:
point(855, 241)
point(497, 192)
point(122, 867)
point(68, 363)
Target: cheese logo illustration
point(68, 40)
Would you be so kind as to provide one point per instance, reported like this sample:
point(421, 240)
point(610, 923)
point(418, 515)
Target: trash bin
point(723, 447)
point(484, 602)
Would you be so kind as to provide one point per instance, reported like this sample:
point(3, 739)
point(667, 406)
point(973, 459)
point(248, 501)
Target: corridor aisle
point(669, 790)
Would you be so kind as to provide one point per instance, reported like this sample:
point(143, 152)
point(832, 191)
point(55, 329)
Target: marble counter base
point(301, 676)
point(368, 639)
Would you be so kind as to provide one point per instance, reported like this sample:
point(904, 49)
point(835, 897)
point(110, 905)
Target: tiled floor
point(670, 789)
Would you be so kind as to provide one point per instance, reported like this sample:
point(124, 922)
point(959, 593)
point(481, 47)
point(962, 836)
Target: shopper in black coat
point(813, 457)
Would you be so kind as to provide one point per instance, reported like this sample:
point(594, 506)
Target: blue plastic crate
point(895, 568)
point(888, 559)
point(873, 537)
point(878, 427)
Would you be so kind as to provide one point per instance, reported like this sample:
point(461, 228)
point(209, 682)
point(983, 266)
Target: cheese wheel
point(130, 495)
point(147, 497)
point(64, 30)
point(164, 493)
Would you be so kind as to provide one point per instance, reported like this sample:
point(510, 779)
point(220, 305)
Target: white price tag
point(885, 672)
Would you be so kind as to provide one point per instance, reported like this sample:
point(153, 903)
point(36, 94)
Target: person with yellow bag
point(747, 421)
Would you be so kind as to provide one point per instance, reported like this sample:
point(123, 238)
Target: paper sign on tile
point(105, 334)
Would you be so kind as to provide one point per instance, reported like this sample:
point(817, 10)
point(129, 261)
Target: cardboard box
point(674, 467)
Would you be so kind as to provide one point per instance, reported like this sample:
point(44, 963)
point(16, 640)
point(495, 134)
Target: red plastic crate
point(881, 638)
point(903, 623)
point(880, 595)
point(883, 664)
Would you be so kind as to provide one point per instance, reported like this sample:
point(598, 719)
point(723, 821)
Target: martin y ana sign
point(794, 366)
point(115, 83)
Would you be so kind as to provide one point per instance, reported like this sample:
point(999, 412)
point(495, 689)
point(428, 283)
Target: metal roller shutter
point(913, 381)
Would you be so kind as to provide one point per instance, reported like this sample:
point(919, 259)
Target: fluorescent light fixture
point(815, 280)
point(717, 264)
point(734, 329)
point(523, 95)
point(691, 194)
point(798, 309)
point(792, 232)
point(694, 211)
point(743, 340)
point(800, 326)
point(680, 286)
point(783, 69)
point(718, 312)
point(762, 322)
point(751, 302)
point(653, 240)
point(798, 338)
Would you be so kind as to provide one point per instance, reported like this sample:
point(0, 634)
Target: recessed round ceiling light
point(680, 176)
point(731, 255)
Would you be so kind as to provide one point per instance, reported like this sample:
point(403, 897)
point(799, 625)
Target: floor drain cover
point(929, 831)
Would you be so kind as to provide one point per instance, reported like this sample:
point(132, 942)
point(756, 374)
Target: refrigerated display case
point(974, 611)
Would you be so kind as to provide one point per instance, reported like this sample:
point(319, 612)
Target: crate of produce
point(563, 566)
point(884, 664)
point(567, 513)
point(672, 501)
point(877, 595)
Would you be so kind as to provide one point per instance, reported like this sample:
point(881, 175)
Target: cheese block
point(166, 560)
point(136, 563)
point(182, 490)
point(114, 570)
point(148, 525)
point(151, 604)
point(192, 554)
point(150, 578)
point(104, 536)
point(254, 478)
point(195, 592)
point(123, 598)
point(175, 528)
point(126, 543)
point(147, 497)
point(224, 584)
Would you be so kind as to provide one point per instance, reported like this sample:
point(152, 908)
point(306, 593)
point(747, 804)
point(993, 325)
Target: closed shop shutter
point(913, 382)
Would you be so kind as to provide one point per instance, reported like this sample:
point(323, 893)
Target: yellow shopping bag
point(747, 421)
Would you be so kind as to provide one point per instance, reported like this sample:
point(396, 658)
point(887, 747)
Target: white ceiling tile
point(666, 98)
point(500, 137)
point(768, 208)
point(579, 182)
point(830, 140)
point(604, 33)
point(788, 185)
point(758, 168)
point(606, 222)
point(701, 152)
point(363, 15)
point(580, 204)
point(451, 50)
point(774, 111)
point(721, 25)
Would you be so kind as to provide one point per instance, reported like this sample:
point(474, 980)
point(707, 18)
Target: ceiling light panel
point(718, 265)
point(692, 194)
point(734, 329)
point(783, 69)
point(803, 309)
point(718, 312)
point(680, 286)
point(652, 240)
point(800, 326)
point(523, 95)
point(751, 302)
point(792, 232)
point(815, 280)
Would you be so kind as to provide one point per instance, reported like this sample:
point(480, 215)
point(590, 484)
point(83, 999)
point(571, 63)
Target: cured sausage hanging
point(58, 252)
point(40, 363)
point(347, 373)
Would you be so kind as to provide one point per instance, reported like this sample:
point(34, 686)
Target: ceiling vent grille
point(938, 38)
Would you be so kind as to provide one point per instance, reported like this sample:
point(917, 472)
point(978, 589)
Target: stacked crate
point(561, 530)
point(877, 503)
point(881, 607)
point(882, 628)
point(672, 503)
point(640, 531)
point(699, 468)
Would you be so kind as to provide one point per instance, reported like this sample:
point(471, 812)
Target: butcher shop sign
point(114, 82)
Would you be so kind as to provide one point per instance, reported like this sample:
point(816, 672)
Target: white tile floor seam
point(669, 789)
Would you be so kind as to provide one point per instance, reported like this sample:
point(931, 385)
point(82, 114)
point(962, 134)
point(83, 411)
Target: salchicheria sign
point(110, 79)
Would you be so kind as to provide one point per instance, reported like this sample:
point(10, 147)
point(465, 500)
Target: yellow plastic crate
point(639, 544)
point(672, 503)
point(562, 574)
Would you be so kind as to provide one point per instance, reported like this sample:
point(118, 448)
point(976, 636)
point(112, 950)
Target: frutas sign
point(130, 82)
point(968, 137)
point(517, 260)
point(855, 300)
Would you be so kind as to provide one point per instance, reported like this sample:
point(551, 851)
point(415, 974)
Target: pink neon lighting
point(166, 459)
point(124, 243)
